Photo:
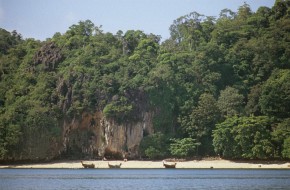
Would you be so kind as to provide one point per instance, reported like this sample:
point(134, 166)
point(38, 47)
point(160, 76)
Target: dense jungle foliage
point(217, 86)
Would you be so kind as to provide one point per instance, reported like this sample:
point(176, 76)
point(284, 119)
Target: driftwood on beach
point(88, 165)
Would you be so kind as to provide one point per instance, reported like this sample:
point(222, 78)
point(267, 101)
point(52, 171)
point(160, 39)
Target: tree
point(280, 133)
point(230, 102)
point(8, 40)
point(83, 28)
point(275, 95)
point(79, 35)
point(183, 147)
point(253, 136)
point(286, 148)
point(118, 109)
point(131, 40)
point(244, 11)
point(203, 120)
point(9, 137)
point(223, 139)
point(154, 146)
point(187, 30)
point(252, 106)
point(244, 137)
point(224, 34)
point(280, 8)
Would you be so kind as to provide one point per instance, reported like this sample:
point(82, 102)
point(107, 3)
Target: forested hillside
point(217, 86)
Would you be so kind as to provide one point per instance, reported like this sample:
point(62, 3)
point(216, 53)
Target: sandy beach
point(194, 164)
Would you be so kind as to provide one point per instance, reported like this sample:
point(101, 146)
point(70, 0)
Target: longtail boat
point(169, 165)
point(114, 165)
point(88, 165)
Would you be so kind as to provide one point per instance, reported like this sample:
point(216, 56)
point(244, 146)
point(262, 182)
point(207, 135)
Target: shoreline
point(136, 164)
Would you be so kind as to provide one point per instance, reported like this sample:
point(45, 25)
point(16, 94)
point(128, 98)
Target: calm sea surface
point(142, 179)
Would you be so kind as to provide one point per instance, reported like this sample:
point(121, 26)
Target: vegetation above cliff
point(216, 86)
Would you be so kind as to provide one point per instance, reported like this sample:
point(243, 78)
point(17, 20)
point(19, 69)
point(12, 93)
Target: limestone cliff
point(93, 136)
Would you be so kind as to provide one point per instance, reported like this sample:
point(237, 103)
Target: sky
point(41, 19)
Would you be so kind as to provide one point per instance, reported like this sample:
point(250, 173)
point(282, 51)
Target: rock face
point(49, 56)
point(93, 136)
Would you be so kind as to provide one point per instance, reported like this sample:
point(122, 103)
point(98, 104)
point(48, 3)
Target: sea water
point(143, 179)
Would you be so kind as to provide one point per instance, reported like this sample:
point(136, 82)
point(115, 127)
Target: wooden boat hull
point(88, 165)
point(114, 165)
point(167, 165)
